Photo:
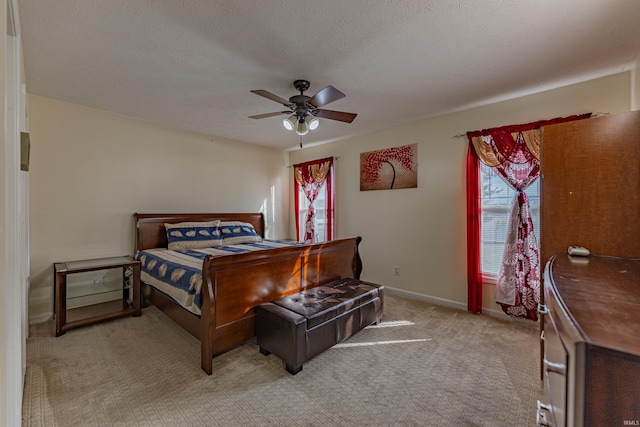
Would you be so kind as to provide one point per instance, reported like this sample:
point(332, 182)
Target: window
point(496, 198)
point(321, 215)
point(314, 202)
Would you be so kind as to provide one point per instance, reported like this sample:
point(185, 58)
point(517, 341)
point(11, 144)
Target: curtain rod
point(333, 157)
point(463, 135)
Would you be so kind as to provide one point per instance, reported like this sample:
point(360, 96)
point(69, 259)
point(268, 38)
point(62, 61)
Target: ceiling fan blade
point(271, 96)
point(264, 116)
point(336, 115)
point(325, 96)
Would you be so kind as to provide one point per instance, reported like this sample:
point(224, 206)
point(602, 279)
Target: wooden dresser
point(590, 196)
point(592, 342)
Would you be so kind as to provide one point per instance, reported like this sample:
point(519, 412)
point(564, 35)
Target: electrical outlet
point(396, 270)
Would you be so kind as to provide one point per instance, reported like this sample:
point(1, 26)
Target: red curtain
point(310, 178)
point(474, 273)
point(513, 151)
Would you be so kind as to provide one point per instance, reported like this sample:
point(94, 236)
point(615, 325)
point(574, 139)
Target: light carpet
point(424, 365)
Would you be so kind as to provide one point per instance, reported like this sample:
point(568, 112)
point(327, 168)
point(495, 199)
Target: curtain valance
point(497, 145)
point(314, 171)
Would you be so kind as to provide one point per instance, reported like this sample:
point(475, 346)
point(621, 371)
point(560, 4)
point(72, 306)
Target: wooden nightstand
point(128, 284)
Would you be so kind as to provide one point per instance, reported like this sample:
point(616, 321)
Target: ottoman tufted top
point(325, 302)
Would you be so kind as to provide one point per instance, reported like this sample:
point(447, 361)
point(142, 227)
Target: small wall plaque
point(25, 151)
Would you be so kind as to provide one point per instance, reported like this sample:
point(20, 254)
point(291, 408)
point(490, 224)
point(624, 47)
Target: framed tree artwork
point(389, 169)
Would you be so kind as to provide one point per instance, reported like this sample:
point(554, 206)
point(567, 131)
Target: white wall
point(13, 221)
point(91, 170)
point(423, 230)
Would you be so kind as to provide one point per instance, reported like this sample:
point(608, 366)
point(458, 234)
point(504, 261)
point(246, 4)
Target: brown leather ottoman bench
point(301, 326)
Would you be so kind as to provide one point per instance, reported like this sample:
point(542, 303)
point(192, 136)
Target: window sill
point(489, 279)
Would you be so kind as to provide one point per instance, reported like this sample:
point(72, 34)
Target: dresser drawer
point(556, 364)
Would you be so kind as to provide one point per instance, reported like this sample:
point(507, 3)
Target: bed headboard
point(150, 231)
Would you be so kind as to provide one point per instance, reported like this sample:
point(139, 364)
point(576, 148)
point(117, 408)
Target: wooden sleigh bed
point(233, 285)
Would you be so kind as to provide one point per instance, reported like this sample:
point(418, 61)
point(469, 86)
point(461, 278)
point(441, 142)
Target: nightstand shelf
point(96, 289)
point(126, 288)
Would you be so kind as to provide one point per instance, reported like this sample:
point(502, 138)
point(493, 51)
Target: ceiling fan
point(304, 110)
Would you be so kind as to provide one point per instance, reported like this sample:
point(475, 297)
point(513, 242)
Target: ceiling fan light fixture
point(302, 128)
point(290, 122)
point(312, 122)
point(305, 108)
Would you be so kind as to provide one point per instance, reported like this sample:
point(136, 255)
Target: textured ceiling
point(191, 64)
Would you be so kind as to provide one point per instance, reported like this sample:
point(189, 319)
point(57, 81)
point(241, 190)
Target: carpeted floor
point(424, 365)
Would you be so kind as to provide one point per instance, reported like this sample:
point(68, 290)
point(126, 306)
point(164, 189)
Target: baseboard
point(451, 304)
point(425, 298)
point(41, 318)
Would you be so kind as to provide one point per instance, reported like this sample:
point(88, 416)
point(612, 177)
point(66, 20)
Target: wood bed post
point(207, 313)
point(357, 262)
